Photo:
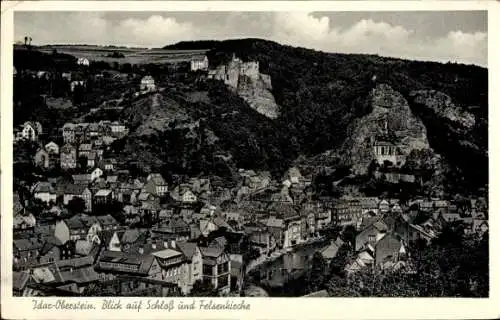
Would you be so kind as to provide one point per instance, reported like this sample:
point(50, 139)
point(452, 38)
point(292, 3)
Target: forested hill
point(322, 93)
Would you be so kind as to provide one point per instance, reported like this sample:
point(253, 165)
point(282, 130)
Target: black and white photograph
point(250, 154)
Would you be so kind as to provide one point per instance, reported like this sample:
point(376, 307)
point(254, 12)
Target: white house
point(199, 63)
point(31, 130)
point(148, 84)
point(83, 62)
point(44, 191)
point(74, 84)
point(96, 173)
point(52, 148)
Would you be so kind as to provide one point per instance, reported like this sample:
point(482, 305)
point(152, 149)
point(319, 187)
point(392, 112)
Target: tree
point(76, 205)
point(316, 274)
point(349, 235)
point(203, 289)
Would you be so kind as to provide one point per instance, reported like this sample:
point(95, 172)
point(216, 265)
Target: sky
point(456, 36)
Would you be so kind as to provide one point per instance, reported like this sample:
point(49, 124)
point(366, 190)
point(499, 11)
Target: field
point(131, 55)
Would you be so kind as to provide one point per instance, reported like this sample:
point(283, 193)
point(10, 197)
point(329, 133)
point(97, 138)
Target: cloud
point(312, 30)
point(155, 30)
point(378, 37)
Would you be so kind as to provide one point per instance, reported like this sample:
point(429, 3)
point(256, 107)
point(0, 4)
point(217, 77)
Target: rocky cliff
point(256, 91)
point(442, 107)
point(390, 120)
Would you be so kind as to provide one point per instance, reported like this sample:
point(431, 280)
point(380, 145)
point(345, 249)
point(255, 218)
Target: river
point(280, 275)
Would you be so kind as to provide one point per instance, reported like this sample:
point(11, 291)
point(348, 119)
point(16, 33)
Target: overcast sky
point(459, 36)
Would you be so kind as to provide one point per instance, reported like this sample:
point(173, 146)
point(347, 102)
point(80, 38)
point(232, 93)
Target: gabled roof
point(20, 279)
point(103, 193)
point(187, 248)
point(83, 247)
point(74, 189)
point(130, 236)
point(167, 253)
point(143, 262)
point(157, 179)
point(85, 147)
point(211, 252)
point(80, 178)
point(43, 187)
point(75, 262)
point(330, 252)
point(107, 220)
point(28, 244)
point(144, 196)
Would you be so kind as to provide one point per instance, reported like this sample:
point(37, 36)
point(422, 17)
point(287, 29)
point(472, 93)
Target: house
point(31, 130)
point(117, 129)
point(107, 222)
point(83, 62)
point(172, 230)
point(147, 84)
point(26, 251)
point(110, 240)
point(96, 173)
point(216, 268)
point(42, 158)
point(194, 262)
point(80, 225)
point(155, 184)
point(183, 194)
point(84, 149)
point(68, 157)
point(19, 281)
point(346, 212)
point(480, 226)
point(286, 224)
point(417, 232)
point(68, 131)
point(213, 223)
point(384, 206)
point(199, 63)
point(274, 225)
point(76, 84)
point(52, 148)
point(387, 151)
point(83, 179)
point(108, 164)
point(330, 252)
point(103, 196)
point(92, 159)
point(51, 251)
point(389, 248)
point(263, 241)
point(111, 263)
point(131, 239)
point(369, 236)
point(44, 191)
point(78, 190)
point(174, 268)
point(24, 222)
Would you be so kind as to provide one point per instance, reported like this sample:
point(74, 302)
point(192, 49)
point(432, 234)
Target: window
point(371, 238)
point(208, 270)
point(223, 281)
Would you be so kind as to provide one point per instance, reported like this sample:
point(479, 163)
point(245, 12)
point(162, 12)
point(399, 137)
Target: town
point(88, 222)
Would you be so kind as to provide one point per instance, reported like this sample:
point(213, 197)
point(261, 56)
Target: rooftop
point(167, 253)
